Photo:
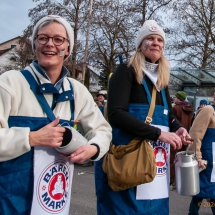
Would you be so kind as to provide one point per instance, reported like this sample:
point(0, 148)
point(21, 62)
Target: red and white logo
point(154, 28)
point(53, 187)
point(161, 156)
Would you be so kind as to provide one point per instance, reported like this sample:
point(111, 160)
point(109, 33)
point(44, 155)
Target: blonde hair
point(138, 62)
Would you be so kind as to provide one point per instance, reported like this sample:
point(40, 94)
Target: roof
point(10, 40)
point(97, 71)
point(4, 51)
point(189, 77)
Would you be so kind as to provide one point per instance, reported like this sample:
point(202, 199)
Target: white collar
point(151, 71)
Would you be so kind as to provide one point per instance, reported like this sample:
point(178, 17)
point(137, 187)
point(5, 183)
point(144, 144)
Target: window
point(13, 59)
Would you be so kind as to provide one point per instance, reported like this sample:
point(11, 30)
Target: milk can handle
point(194, 157)
point(192, 140)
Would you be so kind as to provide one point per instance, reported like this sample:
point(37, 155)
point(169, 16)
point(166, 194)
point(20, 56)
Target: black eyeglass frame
point(51, 38)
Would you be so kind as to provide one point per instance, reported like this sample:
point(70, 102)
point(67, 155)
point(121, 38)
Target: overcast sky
point(14, 18)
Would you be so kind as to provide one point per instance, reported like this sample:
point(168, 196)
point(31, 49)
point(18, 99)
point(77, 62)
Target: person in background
point(183, 111)
point(97, 102)
point(129, 94)
point(172, 101)
point(203, 133)
point(202, 104)
point(35, 104)
point(101, 100)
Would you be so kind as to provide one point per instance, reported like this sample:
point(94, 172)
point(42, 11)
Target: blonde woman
point(129, 97)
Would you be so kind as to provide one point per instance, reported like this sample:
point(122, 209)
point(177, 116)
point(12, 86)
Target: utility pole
point(87, 39)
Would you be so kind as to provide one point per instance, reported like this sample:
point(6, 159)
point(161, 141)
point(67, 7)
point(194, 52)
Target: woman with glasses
point(35, 105)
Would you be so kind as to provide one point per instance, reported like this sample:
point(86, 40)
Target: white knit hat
point(149, 27)
point(62, 21)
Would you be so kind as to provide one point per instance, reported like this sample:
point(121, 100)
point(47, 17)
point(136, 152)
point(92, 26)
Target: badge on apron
point(52, 182)
point(159, 187)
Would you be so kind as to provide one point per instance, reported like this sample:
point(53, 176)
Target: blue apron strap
point(40, 97)
point(72, 103)
point(164, 99)
point(149, 98)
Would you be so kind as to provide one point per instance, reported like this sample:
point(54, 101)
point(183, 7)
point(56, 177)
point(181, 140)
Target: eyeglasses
point(57, 40)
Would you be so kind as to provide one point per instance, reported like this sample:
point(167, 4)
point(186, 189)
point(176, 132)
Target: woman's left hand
point(82, 154)
point(185, 137)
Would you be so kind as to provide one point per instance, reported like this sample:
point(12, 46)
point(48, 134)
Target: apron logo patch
point(53, 187)
point(161, 156)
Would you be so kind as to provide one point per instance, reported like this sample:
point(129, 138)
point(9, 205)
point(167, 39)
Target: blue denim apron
point(124, 202)
point(16, 175)
point(207, 188)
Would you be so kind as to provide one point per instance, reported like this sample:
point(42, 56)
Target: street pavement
point(83, 201)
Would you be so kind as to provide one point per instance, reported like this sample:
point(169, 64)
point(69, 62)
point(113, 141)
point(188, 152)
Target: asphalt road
point(83, 201)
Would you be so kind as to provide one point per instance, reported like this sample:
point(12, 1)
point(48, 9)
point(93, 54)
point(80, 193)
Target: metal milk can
point(186, 173)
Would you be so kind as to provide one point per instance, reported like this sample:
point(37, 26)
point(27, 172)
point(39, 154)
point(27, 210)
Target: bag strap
point(152, 107)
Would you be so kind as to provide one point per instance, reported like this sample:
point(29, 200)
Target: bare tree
point(148, 9)
point(108, 33)
point(25, 52)
point(192, 34)
point(87, 40)
point(113, 31)
point(115, 25)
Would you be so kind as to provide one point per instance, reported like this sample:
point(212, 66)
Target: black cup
point(67, 137)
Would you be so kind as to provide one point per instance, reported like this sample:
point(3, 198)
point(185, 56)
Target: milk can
point(186, 173)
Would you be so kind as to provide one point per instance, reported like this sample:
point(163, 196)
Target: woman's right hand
point(170, 137)
point(50, 135)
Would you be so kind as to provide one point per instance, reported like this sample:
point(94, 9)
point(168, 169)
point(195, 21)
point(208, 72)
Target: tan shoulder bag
point(132, 164)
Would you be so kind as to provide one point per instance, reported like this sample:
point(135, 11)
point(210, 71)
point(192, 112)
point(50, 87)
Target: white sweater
point(17, 99)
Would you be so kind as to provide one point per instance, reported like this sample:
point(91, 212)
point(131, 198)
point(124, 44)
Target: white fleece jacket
point(17, 99)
